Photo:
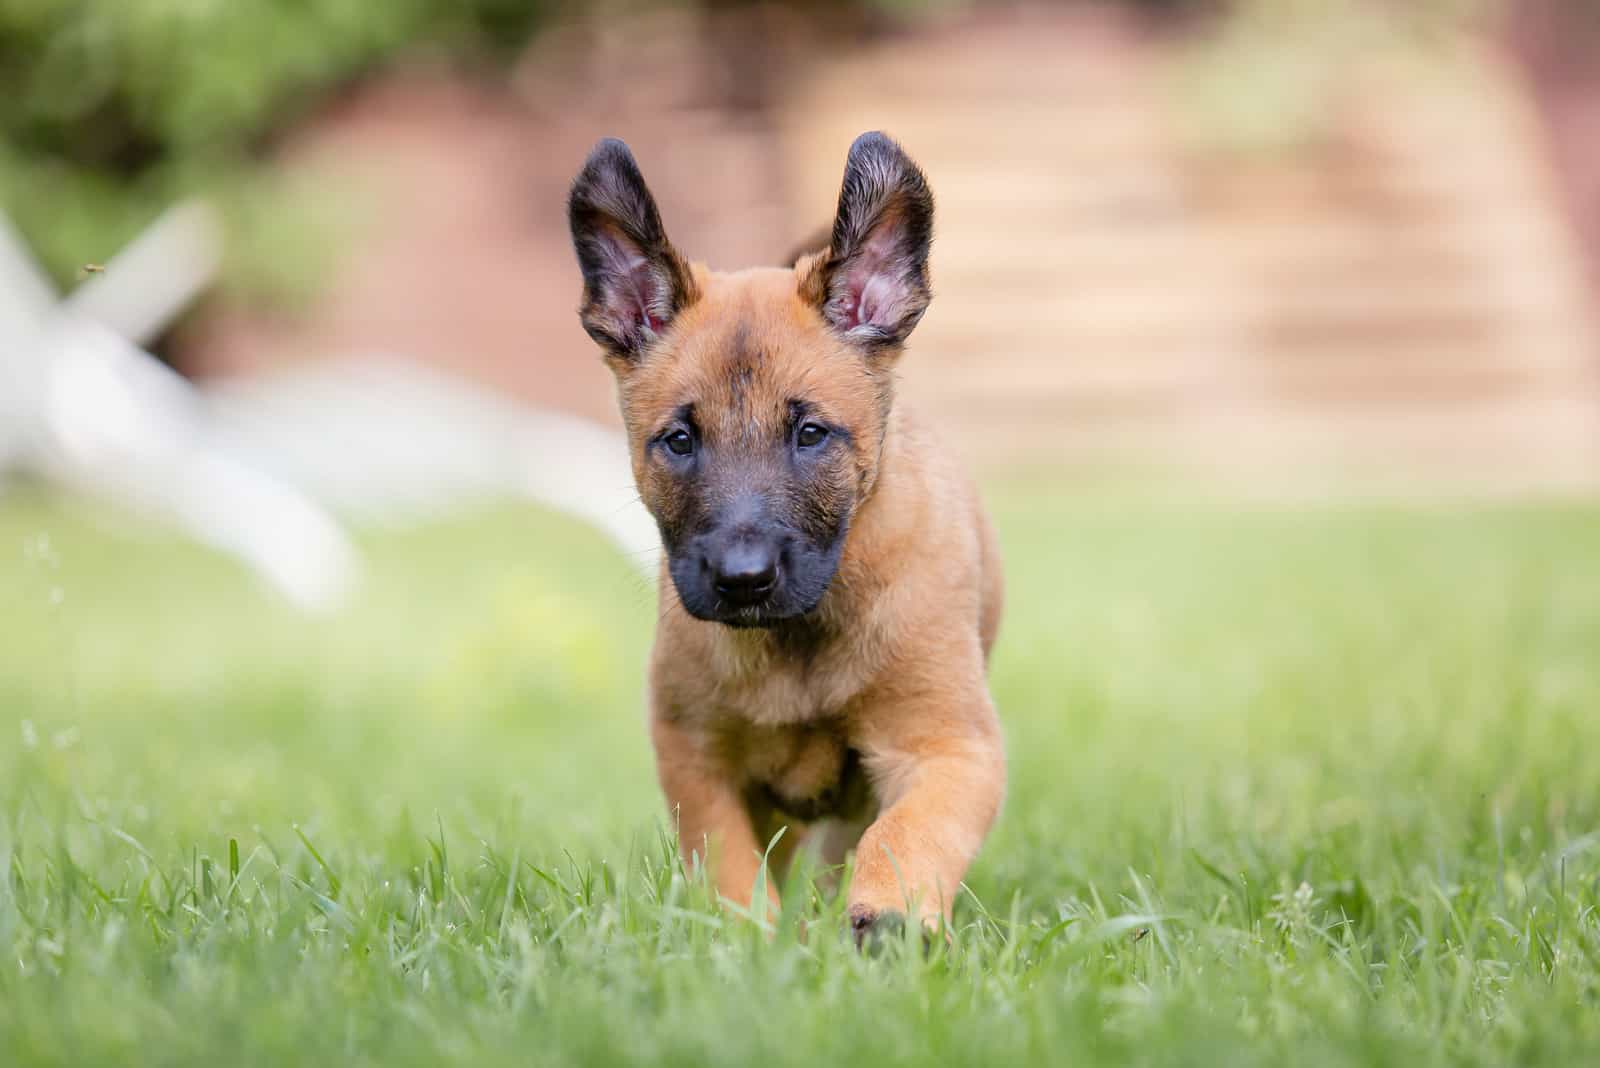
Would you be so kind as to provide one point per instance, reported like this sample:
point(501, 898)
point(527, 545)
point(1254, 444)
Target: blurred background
point(1277, 246)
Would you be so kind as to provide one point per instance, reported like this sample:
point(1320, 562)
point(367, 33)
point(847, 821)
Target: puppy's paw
point(871, 927)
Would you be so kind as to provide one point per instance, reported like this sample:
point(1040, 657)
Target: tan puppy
point(831, 587)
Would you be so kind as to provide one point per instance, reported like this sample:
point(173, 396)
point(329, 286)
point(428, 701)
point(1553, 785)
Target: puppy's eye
point(680, 443)
point(811, 435)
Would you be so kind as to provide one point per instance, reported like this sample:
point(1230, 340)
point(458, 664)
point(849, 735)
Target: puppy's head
point(756, 402)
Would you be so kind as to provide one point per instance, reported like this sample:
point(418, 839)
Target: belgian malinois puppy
point(830, 587)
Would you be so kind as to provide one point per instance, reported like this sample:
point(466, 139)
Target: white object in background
point(26, 302)
point(155, 277)
point(389, 440)
point(83, 406)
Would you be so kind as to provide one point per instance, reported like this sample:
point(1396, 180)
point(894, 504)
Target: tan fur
point(891, 665)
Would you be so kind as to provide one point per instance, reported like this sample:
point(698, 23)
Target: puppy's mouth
point(753, 616)
point(783, 606)
point(792, 590)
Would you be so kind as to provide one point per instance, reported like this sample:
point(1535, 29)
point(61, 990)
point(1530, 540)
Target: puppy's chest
point(777, 711)
point(809, 772)
point(776, 686)
point(779, 698)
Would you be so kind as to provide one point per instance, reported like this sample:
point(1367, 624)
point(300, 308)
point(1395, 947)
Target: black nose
point(745, 573)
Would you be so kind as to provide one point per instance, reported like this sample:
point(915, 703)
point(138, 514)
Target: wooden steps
point(1405, 300)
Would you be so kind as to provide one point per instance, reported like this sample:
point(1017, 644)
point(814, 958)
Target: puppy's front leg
point(938, 766)
point(713, 821)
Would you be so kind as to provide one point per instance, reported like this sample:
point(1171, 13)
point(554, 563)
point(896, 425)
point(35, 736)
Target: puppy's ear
point(634, 281)
point(872, 283)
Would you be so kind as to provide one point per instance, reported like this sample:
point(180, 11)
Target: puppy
point(831, 587)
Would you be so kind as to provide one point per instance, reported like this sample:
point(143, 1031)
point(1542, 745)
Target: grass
point(1313, 787)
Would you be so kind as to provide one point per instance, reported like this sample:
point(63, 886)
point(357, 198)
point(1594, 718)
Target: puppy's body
point(814, 724)
point(832, 588)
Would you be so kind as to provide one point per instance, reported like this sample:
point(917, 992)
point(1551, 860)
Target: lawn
point(1314, 786)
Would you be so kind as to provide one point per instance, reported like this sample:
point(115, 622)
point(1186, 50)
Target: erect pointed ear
point(634, 281)
point(872, 283)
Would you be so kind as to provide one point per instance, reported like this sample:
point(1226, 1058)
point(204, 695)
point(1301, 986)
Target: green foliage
point(1303, 787)
point(109, 109)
